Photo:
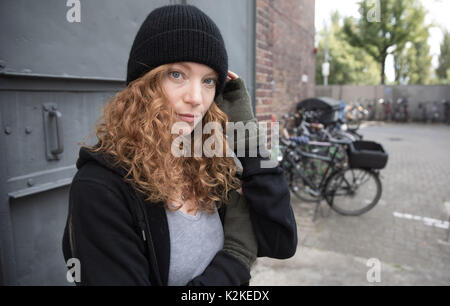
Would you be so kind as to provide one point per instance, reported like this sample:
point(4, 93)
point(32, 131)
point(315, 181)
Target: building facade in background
point(285, 58)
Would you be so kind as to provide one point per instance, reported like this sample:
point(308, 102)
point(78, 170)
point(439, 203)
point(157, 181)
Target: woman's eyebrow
point(182, 65)
point(213, 73)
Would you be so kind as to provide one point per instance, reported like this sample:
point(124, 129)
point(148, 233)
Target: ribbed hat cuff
point(198, 46)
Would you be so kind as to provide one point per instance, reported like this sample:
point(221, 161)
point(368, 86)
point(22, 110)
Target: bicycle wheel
point(352, 192)
point(314, 169)
point(295, 181)
point(301, 190)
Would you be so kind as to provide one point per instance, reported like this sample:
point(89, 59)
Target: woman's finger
point(232, 75)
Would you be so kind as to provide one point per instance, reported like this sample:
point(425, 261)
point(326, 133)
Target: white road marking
point(426, 220)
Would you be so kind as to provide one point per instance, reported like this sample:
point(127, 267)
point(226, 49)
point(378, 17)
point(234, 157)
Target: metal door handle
point(49, 111)
point(60, 147)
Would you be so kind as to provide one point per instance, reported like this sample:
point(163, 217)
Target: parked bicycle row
point(324, 160)
point(399, 110)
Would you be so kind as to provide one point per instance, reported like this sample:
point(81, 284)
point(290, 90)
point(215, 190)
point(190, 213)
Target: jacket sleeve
point(265, 189)
point(109, 249)
point(224, 270)
point(268, 196)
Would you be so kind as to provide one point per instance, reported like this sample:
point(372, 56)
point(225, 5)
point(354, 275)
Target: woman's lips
point(187, 117)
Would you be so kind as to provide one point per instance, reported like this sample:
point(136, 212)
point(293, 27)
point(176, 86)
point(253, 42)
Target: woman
point(139, 214)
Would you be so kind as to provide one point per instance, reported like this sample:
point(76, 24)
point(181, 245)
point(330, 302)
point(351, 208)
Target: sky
point(438, 13)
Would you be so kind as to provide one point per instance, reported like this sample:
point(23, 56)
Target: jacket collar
point(102, 158)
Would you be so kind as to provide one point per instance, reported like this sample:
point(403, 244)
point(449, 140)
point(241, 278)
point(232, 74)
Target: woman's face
point(190, 88)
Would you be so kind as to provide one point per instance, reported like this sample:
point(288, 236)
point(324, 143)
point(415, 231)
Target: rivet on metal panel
point(8, 130)
point(28, 130)
point(30, 182)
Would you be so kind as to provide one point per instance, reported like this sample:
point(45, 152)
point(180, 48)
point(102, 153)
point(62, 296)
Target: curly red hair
point(135, 130)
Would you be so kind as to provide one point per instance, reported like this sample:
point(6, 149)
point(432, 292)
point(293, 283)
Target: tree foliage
point(443, 69)
point(348, 64)
point(385, 28)
point(413, 64)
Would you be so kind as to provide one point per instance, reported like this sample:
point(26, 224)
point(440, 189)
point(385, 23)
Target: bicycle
point(354, 115)
point(400, 111)
point(446, 104)
point(343, 188)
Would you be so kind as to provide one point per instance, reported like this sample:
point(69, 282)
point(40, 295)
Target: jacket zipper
point(143, 234)
point(149, 242)
point(71, 239)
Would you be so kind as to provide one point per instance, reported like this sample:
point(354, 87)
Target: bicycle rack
point(317, 208)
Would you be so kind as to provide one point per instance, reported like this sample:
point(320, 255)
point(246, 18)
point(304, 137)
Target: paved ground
point(403, 231)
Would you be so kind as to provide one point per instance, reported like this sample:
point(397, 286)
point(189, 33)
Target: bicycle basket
point(366, 154)
point(327, 109)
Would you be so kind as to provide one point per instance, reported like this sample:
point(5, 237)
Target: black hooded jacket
point(119, 239)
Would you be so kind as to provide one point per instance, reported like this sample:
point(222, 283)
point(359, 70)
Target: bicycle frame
point(329, 160)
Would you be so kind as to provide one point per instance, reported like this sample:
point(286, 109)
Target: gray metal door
point(54, 77)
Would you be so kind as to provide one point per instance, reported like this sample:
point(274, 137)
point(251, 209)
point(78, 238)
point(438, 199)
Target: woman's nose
point(193, 93)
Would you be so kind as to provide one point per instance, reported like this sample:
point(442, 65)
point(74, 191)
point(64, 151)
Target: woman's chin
point(186, 128)
point(186, 131)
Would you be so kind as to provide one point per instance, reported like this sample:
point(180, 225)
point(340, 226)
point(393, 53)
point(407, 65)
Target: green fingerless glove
point(235, 101)
point(239, 238)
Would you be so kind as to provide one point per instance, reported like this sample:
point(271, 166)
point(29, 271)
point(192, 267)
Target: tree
point(385, 27)
point(348, 64)
point(443, 69)
point(413, 64)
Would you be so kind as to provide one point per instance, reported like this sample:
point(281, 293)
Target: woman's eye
point(211, 81)
point(175, 74)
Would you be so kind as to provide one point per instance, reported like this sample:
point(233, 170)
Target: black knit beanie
point(178, 33)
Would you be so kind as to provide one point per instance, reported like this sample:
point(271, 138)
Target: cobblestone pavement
point(334, 249)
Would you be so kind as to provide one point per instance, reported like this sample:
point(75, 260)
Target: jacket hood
point(100, 158)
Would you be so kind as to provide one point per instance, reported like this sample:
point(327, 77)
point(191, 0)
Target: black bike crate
point(366, 154)
point(327, 109)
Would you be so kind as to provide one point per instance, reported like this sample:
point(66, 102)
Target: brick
point(267, 101)
point(263, 86)
point(261, 93)
point(262, 117)
point(260, 110)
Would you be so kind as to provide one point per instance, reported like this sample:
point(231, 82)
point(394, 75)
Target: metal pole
point(325, 59)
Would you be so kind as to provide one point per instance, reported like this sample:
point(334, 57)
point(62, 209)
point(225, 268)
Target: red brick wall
point(284, 52)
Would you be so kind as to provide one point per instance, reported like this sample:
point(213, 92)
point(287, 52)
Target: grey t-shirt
point(194, 241)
